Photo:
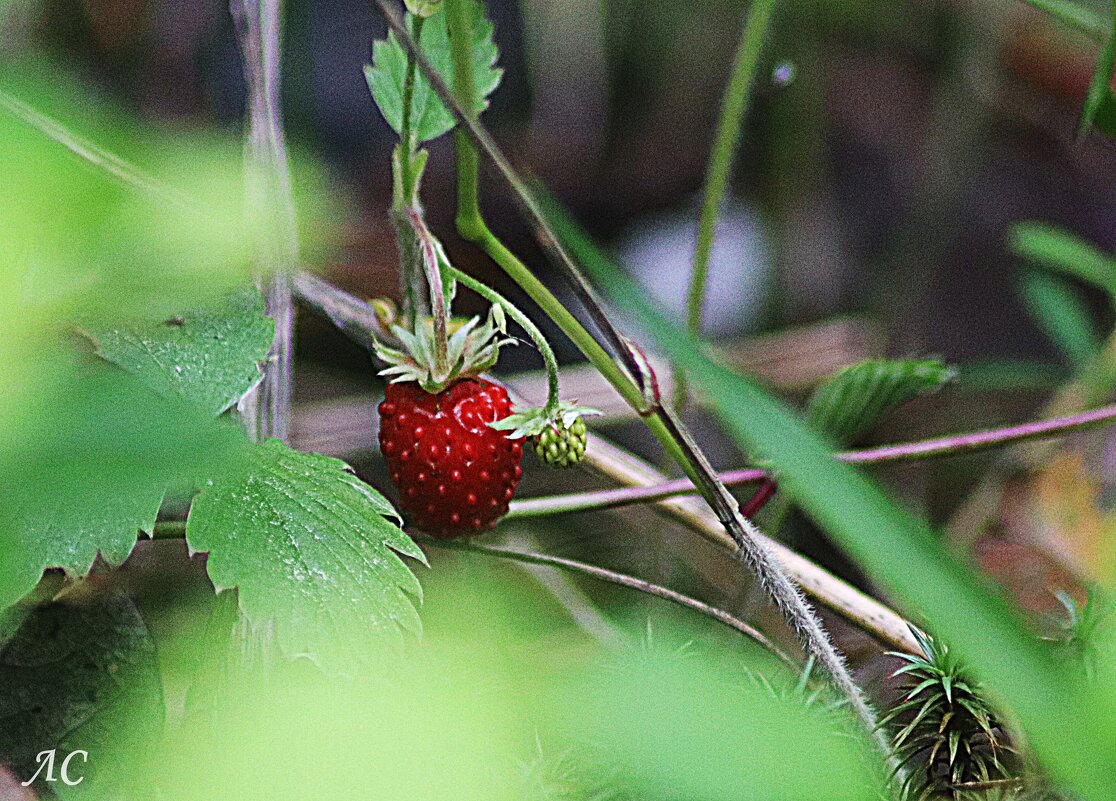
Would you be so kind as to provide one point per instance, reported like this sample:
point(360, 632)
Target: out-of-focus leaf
point(80, 676)
point(853, 399)
point(1073, 14)
point(209, 357)
point(1071, 725)
point(1064, 252)
point(1099, 100)
point(85, 466)
point(1078, 531)
point(733, 740)
point(311, 548)
point(388, 70)
point(1062, 314)
point(1009, 376)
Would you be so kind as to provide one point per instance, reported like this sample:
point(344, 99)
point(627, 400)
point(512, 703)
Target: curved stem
point(725, 145)
point(623, 580)
point(952, 445)
point(524, 322)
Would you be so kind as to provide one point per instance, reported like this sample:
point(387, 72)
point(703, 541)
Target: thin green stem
point(725, 145)
point(623, 580)
point(468, 221)
point(524, 322)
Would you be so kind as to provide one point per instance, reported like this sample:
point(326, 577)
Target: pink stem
point(923, 449)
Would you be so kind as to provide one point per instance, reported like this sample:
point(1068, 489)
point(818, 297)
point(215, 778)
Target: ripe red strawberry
point(455, 474)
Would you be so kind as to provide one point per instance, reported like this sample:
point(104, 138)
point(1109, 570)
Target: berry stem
point(524, 322)
point(407, 177)
point(662, 421)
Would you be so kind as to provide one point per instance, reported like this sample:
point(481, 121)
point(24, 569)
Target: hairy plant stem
point(726, 143)
point(786, 596)
point(266, 410)
point(952, 445)
point(407, 135)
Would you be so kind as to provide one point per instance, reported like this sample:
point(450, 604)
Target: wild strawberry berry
point(455, 474)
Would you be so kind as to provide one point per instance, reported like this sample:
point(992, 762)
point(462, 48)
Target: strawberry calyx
point(472, 348)
point(558, 435)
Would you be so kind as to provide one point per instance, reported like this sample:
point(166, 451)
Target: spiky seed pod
point(945, 734)
point(559, 437)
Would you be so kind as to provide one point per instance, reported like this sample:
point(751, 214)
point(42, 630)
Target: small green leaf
point(1062, 314)
point(210, 357)
point(311, 547)
point(80, 677)
point(853, 399)
point(388, 71)
point(1061, 251)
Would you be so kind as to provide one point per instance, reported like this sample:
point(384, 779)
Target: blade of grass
point(1075, 16)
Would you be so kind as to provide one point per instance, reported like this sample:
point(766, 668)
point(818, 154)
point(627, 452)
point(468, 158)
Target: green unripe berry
point(559, 446)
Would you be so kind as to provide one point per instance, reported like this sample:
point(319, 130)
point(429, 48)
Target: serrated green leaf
point(85, 468)
point(71, 537)
point(853, 399)
point(1061, 313)
point(80, 676)
point(210, 357)
point(388, 70)
point(1059, 250)
point(311, 549)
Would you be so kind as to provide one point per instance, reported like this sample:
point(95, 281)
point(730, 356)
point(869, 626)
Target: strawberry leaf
point(388, 71)
point(209, 357)
point(84, 469)
point(312, 548)
point(853, 399)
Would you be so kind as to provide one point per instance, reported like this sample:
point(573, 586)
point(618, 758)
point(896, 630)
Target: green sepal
point(472, 349)
point(558, 436)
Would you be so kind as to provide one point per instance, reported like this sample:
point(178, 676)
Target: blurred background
point(890, 147)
